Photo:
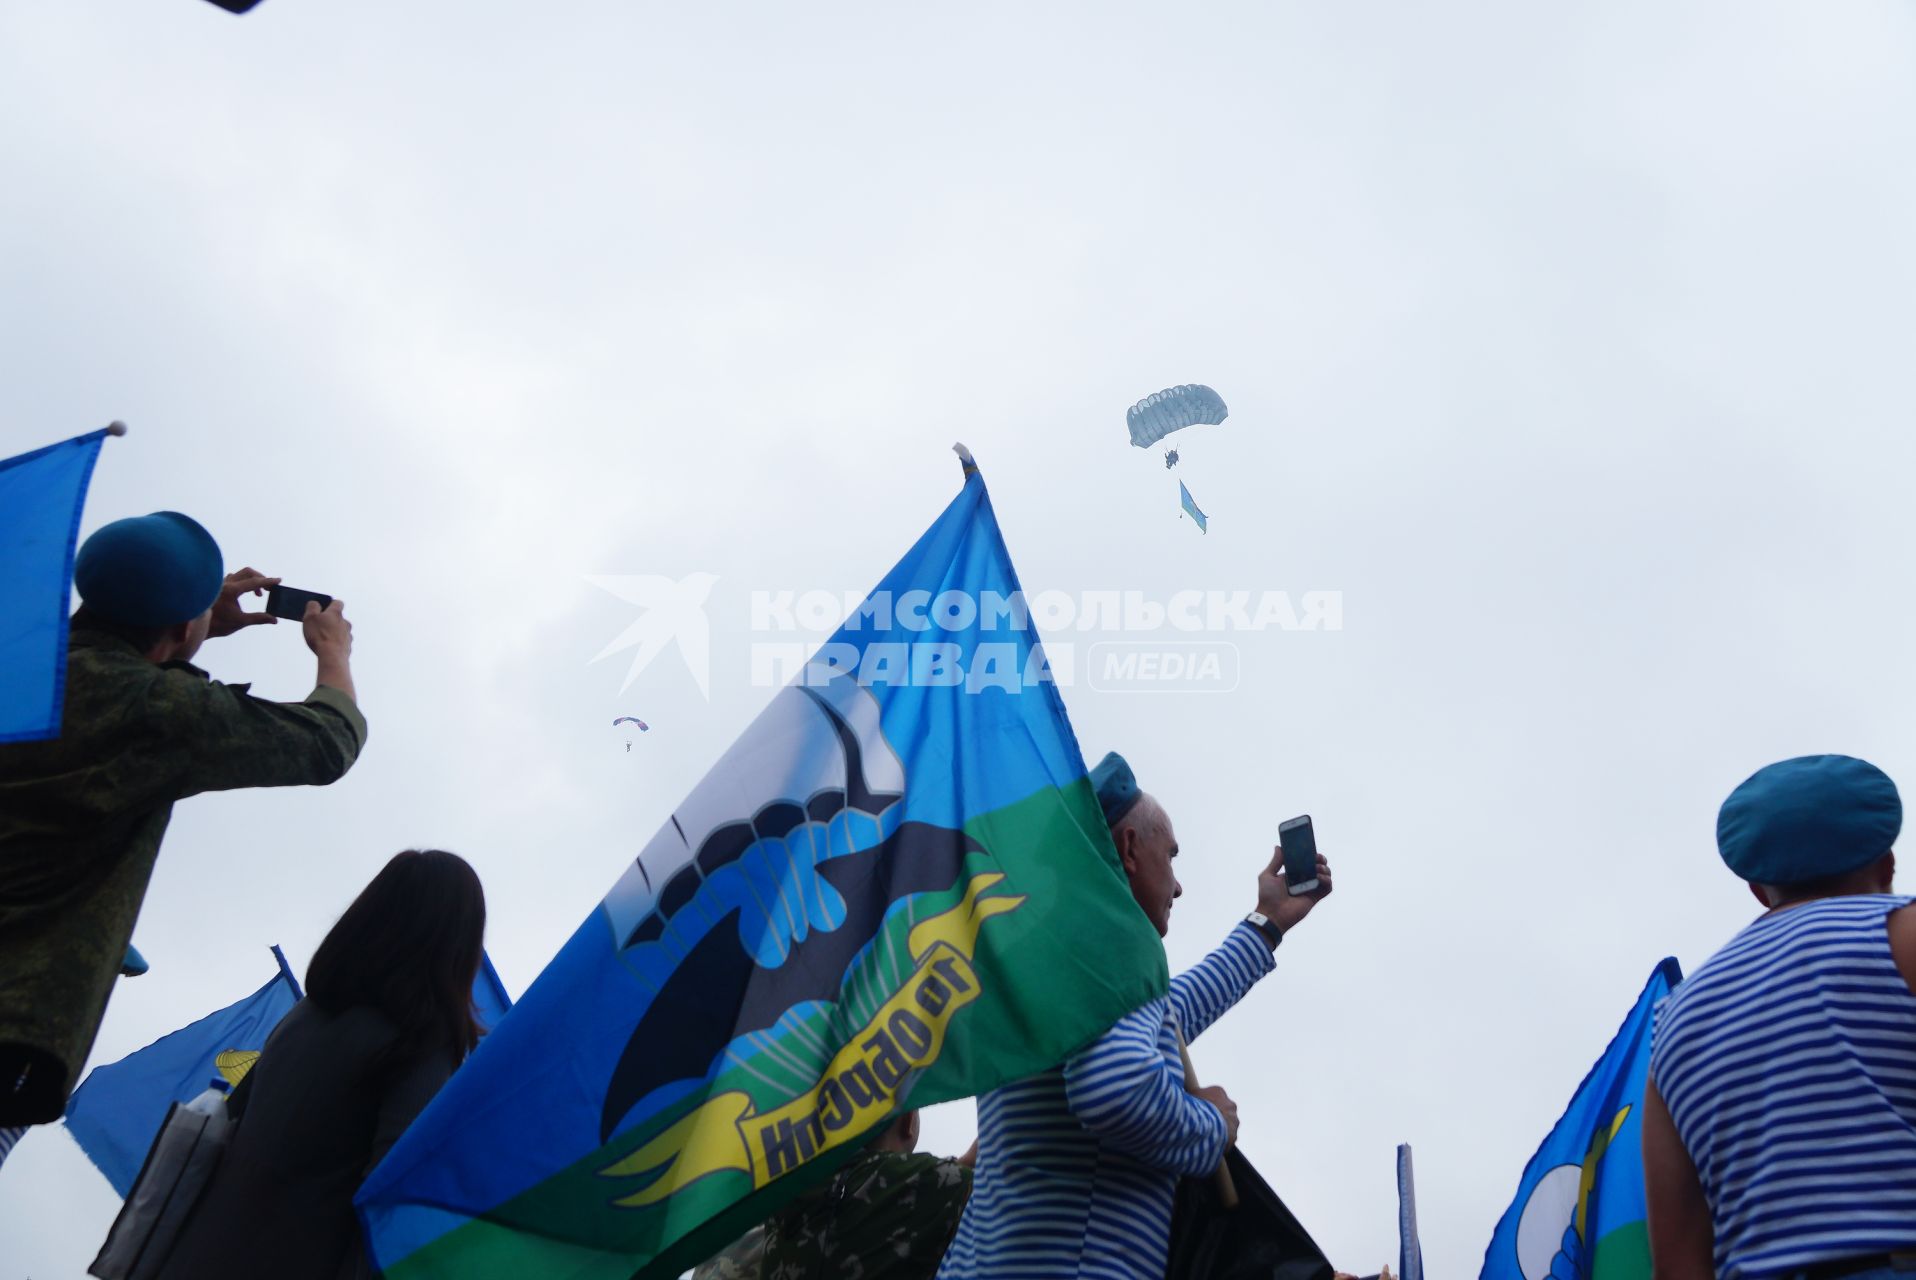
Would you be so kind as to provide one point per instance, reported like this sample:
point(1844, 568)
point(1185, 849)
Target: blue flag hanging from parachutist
point(1190, 506)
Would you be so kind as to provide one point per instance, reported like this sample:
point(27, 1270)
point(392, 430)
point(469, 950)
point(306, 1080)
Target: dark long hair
point(409, 946)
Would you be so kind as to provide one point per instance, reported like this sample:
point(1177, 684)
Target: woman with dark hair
point(387, 1017)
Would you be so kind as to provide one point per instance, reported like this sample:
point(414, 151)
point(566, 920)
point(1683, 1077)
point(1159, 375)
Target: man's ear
point(169, 642)
point(1888, 868)
point(1126, 838)
point(1762, 895)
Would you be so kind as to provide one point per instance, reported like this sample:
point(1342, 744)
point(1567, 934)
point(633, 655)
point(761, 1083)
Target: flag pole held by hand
point(1226, 1188)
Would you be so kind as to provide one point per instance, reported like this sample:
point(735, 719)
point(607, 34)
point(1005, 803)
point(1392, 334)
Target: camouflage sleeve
point(742, 1259)
point(229, 739)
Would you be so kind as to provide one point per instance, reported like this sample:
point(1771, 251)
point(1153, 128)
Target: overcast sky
point(1569, 343)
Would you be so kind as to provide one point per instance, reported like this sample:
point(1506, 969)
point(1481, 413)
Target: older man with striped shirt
point(1078, 1166)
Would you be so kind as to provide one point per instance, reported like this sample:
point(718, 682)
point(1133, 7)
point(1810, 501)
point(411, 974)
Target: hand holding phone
point(1297, 879)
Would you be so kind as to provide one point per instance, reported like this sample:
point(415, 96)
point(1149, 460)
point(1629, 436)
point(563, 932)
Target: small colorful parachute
point(1173, 409)
point(643, 726)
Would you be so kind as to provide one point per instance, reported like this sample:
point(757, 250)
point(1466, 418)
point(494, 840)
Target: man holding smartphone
point(1078, 1166)
point(82, 816)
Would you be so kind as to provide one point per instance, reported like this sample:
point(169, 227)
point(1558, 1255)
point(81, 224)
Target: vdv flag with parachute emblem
point(894, 889)
point(41, 496)
point(1580, 1209)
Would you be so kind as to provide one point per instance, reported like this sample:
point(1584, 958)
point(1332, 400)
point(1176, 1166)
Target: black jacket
point(327, 1098)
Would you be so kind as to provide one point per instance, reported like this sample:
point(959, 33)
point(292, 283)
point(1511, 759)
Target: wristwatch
point(1262, 923)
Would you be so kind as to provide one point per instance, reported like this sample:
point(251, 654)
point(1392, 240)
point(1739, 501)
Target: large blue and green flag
point(1580, 1208)
point(895, 889)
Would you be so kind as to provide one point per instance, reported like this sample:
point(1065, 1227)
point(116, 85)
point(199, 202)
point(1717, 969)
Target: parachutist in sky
point(1170, 458)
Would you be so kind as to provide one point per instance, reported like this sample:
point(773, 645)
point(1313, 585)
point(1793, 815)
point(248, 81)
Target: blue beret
point(1116, 787)
point(1807, 818)
point(150, 571)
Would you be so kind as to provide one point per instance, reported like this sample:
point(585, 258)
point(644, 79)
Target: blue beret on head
point(1807, 818)
point(150, 571)
point(1117, 788)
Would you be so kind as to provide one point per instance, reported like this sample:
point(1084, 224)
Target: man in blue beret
point(1779, 1123)
point(1078, 1166)
point(81, 817)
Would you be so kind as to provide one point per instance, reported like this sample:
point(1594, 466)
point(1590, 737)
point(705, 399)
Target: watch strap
point(1263, 924)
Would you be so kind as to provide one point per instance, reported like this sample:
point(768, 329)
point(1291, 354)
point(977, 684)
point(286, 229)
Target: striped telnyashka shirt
point(1077, 1167)
point(1789, 1065)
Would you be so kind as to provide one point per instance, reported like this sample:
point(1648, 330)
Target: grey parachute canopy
point(1173, 409)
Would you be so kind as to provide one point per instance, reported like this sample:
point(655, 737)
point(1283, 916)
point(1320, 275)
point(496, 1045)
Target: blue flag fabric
point(117, 1111)
point(1190, 506)
point(489, 998)
point(894, 889)
point(1580, 1208)
point(41, 496)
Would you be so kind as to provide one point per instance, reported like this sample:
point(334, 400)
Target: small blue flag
point(489, 998)
point(1580, 1208)
point(1190, 506)
point(41, 496)
point(116, 1113)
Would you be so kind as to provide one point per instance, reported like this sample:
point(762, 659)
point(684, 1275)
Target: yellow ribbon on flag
point(859, 1087)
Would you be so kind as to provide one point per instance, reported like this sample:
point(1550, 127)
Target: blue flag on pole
point(41, 496)
point(116, 1112)
point(1580, 1208)
point(896, 888)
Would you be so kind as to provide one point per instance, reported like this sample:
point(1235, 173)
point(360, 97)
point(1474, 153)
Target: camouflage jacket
point(81, 817)
point(884, 1216)
point(740, 1261)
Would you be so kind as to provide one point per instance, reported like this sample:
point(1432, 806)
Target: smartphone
point(290, 602)
point(1299, 843)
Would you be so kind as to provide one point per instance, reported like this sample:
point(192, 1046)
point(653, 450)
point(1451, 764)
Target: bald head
point(1146, 847)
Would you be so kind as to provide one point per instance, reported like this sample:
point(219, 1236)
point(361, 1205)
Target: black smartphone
point(290, 602)
point(1299, 843)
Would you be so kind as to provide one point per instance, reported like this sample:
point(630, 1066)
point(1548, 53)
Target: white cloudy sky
point(1570, 343)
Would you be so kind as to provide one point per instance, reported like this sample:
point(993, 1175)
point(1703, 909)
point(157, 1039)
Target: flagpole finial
point(965, 460)
point(116, 428)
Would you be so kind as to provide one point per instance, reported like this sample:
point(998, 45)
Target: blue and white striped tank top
point(1078, 1166)
point(1789, 1065)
